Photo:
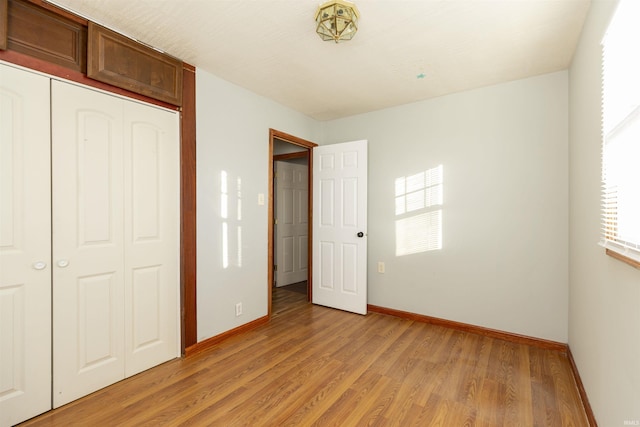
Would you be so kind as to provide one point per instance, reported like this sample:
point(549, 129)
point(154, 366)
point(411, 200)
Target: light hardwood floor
point(314, 366)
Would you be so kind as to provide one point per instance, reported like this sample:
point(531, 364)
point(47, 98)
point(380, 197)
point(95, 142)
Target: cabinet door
point(88, 247)
point(152, 220)
point(25, 246)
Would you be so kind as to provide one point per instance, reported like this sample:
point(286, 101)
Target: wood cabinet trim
point(43, 34)
point(59, 11)
point(61, 72)
point(115, 59)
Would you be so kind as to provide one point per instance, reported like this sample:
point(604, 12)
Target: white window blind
point(621, 132)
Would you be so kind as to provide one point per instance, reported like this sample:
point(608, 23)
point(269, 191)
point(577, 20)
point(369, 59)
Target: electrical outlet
point(380, 267)
point(238, 309)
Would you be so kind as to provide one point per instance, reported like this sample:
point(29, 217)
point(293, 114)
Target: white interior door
point(88, 241)
point(152, 240)
point(292, 228)
point(340, 226)
point(25, 246)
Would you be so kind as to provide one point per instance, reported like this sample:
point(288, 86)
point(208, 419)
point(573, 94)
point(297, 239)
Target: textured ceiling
point(270, 46)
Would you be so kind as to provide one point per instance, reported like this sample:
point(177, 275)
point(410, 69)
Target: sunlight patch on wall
point(418, 200)
point(224, 196)
point(231, 224)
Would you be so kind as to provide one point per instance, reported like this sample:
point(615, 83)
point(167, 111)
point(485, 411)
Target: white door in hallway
point(340, 226)
point(292, 228)
point(25, 246)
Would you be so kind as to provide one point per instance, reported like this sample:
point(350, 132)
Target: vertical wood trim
point(274, 134)
point(270, 227)
point(310, 231)
point(188, 208)
point(4, 23)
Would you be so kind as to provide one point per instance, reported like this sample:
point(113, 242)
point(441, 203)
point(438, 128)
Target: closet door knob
point(63, 263)
point(40, 265)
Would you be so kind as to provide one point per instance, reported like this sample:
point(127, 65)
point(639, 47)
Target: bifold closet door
point(115, 169)
point(25, 246)
point(152, 236)
point(88, 241)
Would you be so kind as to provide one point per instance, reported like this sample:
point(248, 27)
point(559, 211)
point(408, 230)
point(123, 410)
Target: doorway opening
point(295, 155)
point(291, 212)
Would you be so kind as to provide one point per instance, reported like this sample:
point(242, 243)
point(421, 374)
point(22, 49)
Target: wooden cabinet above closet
point(124, 63)
point(42, 34)
point(82, 46)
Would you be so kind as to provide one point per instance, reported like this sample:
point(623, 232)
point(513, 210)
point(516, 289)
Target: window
point(621, 134)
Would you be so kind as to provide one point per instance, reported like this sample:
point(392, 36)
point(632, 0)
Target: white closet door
point(116, 239)
point(152, 219)
point(88, 234)
point(25, 246)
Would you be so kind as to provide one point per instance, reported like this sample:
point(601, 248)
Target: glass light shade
point(337, 20)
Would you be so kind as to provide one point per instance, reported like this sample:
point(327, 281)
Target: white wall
point(233, 136)
point(504, 259)
point(505, 262)
point(604, 305)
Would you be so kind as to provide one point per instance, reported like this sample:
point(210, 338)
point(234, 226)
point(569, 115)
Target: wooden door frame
point(308, 145)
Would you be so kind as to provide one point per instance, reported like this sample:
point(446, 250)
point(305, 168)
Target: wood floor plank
point(353, 399)
point(312, 365)
point(323, 398)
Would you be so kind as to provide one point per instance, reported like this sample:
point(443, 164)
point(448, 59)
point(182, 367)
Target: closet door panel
point(88, 257)
point(152, 240)
point(25, 246)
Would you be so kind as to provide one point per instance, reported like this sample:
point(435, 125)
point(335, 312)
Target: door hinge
point(275, 267)
point(275, 221)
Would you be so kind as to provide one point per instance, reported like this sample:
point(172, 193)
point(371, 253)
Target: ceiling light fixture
point(337, 20)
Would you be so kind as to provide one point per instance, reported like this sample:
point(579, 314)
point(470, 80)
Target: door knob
point(63, 263)
point(360, 234)
point(40, 265)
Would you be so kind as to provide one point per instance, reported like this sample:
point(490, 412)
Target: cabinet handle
point(40, 265)
point(63, 263)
